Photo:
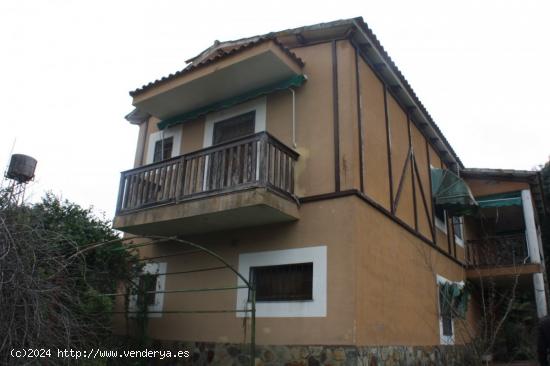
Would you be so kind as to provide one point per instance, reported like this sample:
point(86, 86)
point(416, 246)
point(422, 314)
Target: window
point(441, 218)
point(151, 285)
point(163, 149)
point(290, 283)
point(147, 285)
point(452, 300)
point(233, 171)
point(231, 123)
point(287, 282)
point(440, 214)
point(458, 226)
point(445, 313)
point(234, 127)
point(158, 150)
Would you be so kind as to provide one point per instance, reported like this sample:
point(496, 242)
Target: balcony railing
point(258, 160)
point(496, 251)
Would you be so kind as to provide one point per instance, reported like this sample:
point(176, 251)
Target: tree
point(51, 283)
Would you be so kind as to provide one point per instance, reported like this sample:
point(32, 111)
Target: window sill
point(280, 301)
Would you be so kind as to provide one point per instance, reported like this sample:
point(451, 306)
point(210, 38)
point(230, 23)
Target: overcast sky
point(479, 67)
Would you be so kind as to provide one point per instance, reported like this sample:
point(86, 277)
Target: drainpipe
point(534, 252)
point(293, 117)
point(162, 145)
point(142, 144)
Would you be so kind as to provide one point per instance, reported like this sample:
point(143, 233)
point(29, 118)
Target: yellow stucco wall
point(396, 288)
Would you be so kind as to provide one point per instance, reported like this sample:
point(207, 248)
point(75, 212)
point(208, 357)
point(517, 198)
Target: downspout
point(162, 144)
point(294, 145)
point(144, 143)
point(293, 117)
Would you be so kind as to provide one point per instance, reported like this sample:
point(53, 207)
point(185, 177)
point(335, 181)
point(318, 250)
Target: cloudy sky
point(480, 67)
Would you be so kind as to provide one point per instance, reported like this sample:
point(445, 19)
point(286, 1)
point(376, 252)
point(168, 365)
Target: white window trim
point(458, 240)
point(151, 268)
point(441, 225)
point(174, 132)
point(288, 309)
point(445, 340)
point(258, 105)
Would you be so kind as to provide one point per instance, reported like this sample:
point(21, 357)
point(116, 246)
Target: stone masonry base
point(219, 354)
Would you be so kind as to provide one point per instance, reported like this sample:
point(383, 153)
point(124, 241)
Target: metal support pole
point(253, 326)
point(534, 251)
point(293, 117)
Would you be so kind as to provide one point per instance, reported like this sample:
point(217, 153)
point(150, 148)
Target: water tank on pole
point(21, 168)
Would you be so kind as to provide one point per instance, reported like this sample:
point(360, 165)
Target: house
point(304, 159)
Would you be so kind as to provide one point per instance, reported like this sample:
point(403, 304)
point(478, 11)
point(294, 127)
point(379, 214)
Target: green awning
point(452, 193)
point(292, 82)
point(500, 200)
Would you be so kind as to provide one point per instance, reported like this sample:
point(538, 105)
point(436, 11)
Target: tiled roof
point(218, 54)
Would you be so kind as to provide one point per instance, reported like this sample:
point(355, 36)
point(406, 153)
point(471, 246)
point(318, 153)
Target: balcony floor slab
point(503, 271)
point(246, 208)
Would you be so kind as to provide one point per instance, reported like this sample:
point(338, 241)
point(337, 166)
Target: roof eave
point(372, 49)
point(503, 174)
point(207, 61)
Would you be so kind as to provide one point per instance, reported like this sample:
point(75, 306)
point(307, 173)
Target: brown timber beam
point(411, 157)
point(360, 126)
point(335, 115)
point(388, 146)
point(431, 219)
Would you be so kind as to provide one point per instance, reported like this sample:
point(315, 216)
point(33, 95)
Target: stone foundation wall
point(218, 354)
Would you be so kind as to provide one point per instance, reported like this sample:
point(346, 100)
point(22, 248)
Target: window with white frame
point(446, 312)
point(150, 285)
point(163, 149)
point(234, 122)
point(164, 145)
point(457, 222)
point(289, 282)
point(458, 228)
point(440, 218)
point(282, 282)
point(234, 127)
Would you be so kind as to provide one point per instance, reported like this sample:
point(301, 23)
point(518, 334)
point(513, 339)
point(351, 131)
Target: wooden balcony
point(499, 256)
point(244, 182)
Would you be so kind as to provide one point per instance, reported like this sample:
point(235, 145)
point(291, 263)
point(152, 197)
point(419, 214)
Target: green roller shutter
point(292, 82)
point(500, 200)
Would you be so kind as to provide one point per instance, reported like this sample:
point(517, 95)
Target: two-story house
point(305, 160)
